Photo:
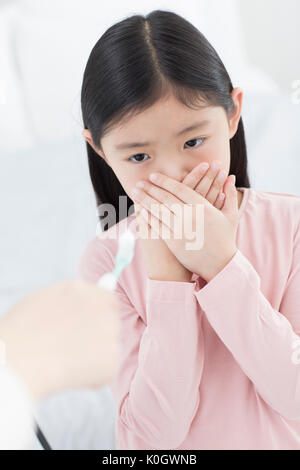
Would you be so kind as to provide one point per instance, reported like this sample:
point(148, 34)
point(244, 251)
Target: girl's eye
point(141, 154)
point(137, 155)
point(200, 138)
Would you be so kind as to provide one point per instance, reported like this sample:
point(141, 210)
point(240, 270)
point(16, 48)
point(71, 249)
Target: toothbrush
point(123, 258)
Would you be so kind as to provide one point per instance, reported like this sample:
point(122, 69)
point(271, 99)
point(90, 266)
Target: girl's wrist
point(173, 278)
point(175, 272)
point(217, 269)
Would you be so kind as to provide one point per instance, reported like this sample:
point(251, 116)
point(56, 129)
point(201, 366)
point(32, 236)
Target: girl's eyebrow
point(197, 125)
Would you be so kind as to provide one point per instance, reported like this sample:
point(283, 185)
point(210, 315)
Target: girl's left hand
point(218, 233)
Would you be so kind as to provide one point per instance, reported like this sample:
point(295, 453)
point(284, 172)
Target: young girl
point(209, 343)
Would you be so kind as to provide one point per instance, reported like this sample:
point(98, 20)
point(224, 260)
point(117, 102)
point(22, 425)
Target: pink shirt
point(211, 365)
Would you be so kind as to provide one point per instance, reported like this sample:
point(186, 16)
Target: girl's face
point(157, 140)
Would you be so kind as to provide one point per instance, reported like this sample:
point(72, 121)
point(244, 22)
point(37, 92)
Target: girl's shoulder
point(267, 209)
point(283, 203)
point(275, 195)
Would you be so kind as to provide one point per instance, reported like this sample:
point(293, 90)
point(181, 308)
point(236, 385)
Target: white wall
point(272, 37)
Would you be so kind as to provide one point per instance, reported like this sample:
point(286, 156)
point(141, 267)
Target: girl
point(209, 345)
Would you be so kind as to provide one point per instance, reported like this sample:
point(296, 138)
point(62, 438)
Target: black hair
point(138, 61)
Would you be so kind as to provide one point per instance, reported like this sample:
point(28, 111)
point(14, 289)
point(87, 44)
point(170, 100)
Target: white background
point(48, 212)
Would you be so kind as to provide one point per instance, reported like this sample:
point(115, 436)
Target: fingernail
point(135, 192)
point(233, 180)
point(153, 177)
point(216, 165)
point(221, 176)
point(204, 167)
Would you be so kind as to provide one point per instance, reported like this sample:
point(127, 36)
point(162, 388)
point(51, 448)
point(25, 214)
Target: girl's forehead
point(167, 119)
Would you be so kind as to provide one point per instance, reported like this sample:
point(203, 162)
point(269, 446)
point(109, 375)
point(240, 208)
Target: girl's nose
point(177, 174)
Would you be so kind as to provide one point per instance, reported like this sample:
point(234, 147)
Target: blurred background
point(47, 204)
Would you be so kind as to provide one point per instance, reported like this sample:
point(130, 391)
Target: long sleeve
point(263, 341)
point(16, 411)
point(165, 369)
point(156, 388)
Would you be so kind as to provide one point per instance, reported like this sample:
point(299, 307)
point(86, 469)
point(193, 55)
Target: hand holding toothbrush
point(62, 336)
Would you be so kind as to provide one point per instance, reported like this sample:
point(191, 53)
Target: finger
point(144, 229)
point(220, 201)
point(231, 201)
point(206, 182)
point(223, 201)
point(159, 208)
point(160, 223)
point(152, 196)
point(216, 187)
point(137, 207)
point(193, 178)
point(215, 192)
point(178, 191)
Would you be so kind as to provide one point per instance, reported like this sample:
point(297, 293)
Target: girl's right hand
point(208, 180)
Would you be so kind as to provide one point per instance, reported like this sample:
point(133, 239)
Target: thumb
point(230, 206)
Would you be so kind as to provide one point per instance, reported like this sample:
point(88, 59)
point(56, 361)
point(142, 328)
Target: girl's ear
point(237, 97)
point(88, 137)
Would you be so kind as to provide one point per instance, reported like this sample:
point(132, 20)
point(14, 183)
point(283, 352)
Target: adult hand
point(62, 336)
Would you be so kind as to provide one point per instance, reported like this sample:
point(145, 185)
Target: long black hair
point(136, 62)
